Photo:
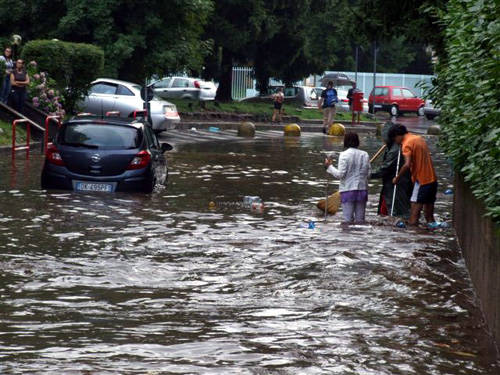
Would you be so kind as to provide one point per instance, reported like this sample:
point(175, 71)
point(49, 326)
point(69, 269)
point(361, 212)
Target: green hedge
point(467, 90)
point(72, 65)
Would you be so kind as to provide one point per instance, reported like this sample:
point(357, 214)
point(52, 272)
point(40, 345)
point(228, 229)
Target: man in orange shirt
point(419, 162)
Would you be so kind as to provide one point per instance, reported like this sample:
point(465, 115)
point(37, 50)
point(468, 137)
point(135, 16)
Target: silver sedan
point(110, 95)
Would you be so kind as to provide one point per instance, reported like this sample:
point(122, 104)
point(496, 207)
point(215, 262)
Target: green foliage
point(43, 93)
point(258, 108)
point(468, 93)
point(139, 38)
point(6, 133)
point(73, 66)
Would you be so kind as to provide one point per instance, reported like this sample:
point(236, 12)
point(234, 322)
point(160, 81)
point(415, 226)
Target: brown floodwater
point(162, 284)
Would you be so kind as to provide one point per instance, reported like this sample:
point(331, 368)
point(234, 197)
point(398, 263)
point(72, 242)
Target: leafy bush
point(43, 93)
point(468, 93)
point(73, 66)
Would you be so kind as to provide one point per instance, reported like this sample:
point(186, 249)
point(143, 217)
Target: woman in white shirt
point(353, 172)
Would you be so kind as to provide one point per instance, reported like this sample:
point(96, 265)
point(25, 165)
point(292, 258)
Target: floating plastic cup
point(311, 225)
point(249, 200)
point(401, 224)
point(448, 191)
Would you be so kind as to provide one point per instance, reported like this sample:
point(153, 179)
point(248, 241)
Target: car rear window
point(381, 91)
point(101, 136)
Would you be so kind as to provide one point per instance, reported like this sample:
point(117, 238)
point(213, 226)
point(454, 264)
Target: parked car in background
point(395, 100)
point(107, 95)
point(430, 111)
point(184, 88)
point(307, 96)
point(343, 103)
point(94, 154)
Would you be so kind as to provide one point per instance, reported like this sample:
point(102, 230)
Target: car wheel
point(430, 117)
point(420, 111)
point(150, 183)
point(370, 108)
point(394, 110)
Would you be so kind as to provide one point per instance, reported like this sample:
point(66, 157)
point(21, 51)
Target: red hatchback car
point(396, 100)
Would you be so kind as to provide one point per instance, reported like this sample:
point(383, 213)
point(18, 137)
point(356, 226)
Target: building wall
point(479, 239)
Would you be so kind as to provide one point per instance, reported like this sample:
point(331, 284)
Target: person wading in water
point(386, 171)
point(419, 162)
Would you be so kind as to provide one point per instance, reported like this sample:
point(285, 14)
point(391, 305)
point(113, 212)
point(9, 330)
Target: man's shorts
point(424, 194)
point(278, 105)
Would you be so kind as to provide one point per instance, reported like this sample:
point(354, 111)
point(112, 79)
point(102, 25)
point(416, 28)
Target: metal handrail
point(28, 134)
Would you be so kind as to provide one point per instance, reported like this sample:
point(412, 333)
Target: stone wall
point(479, 239)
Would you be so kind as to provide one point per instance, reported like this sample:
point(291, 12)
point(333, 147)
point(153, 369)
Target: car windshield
point(101, 136)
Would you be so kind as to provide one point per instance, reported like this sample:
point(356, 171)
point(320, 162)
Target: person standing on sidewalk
point(278, 99)
point(19, 79)
point(417, 160)
point(5, 83)
point(327, 105)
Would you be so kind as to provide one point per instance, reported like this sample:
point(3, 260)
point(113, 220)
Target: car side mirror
point(166, 147)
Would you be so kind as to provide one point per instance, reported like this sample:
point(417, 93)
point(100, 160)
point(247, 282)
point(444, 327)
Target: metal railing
point(28, 135)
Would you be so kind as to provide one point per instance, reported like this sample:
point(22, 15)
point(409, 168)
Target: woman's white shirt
point(353, 170)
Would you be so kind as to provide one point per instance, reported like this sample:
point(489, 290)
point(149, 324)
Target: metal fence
point(243, 85)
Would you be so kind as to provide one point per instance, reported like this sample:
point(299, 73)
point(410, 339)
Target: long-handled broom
point(331, 204)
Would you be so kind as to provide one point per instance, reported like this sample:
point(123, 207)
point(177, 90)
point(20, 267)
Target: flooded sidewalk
point(167, 284)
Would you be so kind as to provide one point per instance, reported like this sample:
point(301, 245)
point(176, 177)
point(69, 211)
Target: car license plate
point(93, 186)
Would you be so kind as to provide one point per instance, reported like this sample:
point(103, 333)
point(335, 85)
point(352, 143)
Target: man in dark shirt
point(327, 105)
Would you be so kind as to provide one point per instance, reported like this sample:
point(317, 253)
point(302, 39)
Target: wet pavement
point(162, 284)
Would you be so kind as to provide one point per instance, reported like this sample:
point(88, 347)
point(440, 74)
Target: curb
point(305, 127)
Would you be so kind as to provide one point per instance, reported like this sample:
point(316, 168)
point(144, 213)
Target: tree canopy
point(139, 38)
point(282, 39)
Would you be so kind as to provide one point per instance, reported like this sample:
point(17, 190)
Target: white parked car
point(109, 95)
point(184, 88)
point(343, 104)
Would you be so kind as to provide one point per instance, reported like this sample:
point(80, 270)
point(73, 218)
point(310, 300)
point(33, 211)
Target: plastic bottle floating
point(438, 224)
point(253, 202)
point(213, 129)
point(448, 192)
point(311, 225)
point(401, 224)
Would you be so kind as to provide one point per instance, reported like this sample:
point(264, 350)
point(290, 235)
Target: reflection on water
point(163, 284)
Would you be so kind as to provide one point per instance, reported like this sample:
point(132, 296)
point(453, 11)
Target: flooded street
point(163, 284)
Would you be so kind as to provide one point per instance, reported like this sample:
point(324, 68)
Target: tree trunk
point(226, 78)
point(262, 82)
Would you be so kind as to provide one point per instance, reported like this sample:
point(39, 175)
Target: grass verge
point(6, 133)
point(184, 105)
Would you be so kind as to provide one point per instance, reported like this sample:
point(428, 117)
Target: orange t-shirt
point(421, 167)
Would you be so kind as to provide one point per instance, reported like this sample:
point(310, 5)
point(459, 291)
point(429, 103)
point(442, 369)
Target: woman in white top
point(353, 171)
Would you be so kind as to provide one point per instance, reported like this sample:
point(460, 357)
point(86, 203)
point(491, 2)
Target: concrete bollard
point(434, 130)
point(246, 129)
point(292, 130)
point(337, 130)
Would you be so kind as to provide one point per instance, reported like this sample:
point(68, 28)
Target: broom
point(333, 201)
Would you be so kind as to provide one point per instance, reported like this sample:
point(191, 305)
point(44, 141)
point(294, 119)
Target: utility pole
point(356, 72)
point(374, 73)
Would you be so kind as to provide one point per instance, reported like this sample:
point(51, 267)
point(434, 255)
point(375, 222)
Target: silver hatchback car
point(110, 95)
point(184, 88)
